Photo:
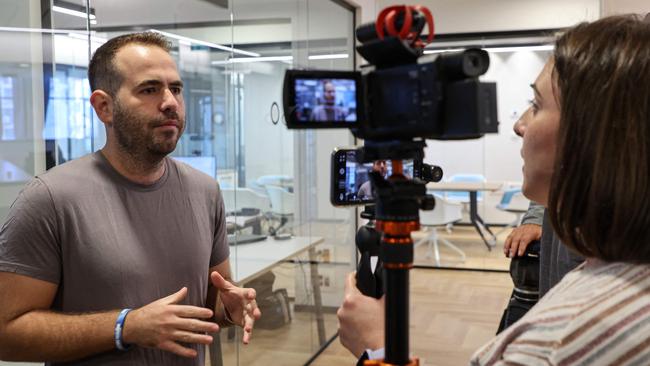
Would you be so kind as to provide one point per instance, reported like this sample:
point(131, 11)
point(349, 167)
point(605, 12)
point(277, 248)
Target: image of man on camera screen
point(365, 190)
point(329, 109)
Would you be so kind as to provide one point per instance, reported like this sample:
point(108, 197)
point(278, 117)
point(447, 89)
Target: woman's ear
point(102, 102)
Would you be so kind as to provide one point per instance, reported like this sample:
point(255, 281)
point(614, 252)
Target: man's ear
point(102, 102)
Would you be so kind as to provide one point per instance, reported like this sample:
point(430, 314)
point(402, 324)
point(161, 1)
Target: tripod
point(398, 202)
point(368, 240)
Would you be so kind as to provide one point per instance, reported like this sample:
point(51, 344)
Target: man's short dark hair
point(102, 73)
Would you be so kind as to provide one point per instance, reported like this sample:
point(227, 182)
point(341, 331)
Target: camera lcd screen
point(351, 180)
point(326, 100)
point(322, 99)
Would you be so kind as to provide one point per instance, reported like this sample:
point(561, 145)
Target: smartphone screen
point(350, 181)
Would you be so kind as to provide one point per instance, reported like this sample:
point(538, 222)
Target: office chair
point(283, 181)
point(247, 205)
point(282, 205)
point(513, 201)
point(444, 213)
point(236, 199)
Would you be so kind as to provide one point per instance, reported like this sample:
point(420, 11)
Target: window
point(7, 113)
point(68, 112)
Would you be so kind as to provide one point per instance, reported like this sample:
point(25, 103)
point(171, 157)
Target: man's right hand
point(163, 324)
point(518, 240)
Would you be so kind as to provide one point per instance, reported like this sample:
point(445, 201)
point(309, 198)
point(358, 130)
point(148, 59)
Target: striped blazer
point(599, 314)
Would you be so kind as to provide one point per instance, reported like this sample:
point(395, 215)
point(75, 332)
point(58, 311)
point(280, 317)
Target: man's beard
point(136, 136)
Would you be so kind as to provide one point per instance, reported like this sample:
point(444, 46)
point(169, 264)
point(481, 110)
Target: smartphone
point(350, 181)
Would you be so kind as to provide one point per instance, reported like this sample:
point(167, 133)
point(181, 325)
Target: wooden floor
point(465, 238)
point(453, 313)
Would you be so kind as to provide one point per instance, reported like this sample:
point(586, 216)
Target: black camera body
point(440, 99)
point(430, 100)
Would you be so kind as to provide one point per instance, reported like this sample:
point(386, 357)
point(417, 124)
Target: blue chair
point(513, 201)
point(507, 197)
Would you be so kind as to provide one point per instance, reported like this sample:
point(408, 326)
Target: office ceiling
point(115, 13)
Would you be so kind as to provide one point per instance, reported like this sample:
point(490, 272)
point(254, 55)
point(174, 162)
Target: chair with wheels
point(245, 208)
point(282, 205)
point(236, 199)
point(444, 213)
point(513, 201)
point(283, 181)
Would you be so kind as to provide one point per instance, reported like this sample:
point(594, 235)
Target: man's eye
point(176, 90)
point(149, 90)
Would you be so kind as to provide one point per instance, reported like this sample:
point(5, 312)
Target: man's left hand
point(239, 303)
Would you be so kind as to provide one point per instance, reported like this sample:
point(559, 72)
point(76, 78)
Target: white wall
point(268, 147)
point(610, 7)
point(495, 156)
point(460, 16)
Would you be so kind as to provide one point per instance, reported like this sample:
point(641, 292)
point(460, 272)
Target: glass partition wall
point(287, 241)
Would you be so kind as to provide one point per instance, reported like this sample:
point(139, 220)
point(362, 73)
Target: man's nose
point(169, 102)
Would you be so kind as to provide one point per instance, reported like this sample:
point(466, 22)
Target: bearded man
point(120, 256)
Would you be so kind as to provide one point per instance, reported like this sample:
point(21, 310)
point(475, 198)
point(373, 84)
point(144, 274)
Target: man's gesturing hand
point(163, 324)
point(239, 303)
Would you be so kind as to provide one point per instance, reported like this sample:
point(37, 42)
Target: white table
point(254, 259)
point(472, 187)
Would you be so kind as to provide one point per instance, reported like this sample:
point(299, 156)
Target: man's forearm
point(48, 336)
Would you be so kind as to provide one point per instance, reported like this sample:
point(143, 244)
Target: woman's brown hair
point(599, 201)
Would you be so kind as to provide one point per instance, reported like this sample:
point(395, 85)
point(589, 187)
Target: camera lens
point(475, 62)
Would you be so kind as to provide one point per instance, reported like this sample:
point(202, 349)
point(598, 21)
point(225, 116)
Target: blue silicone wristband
point(119, 325)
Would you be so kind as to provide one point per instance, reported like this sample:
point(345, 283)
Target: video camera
point(396, 103)
point(403, 96)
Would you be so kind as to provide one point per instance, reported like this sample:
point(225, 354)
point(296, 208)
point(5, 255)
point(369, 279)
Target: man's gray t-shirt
point(109, 243)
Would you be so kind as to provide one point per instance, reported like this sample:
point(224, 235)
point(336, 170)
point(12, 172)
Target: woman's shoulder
point(595, 313)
